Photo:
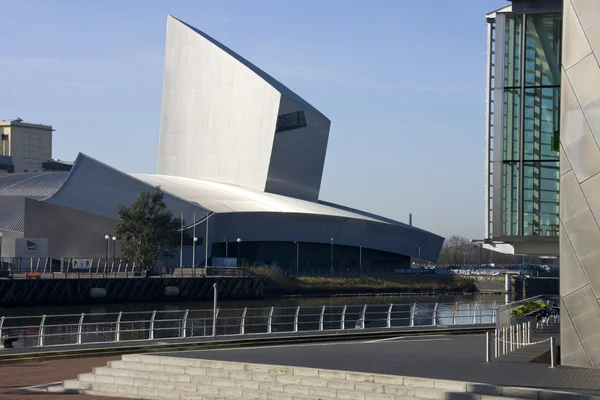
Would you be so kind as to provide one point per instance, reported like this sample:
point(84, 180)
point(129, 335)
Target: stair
point(166, 378)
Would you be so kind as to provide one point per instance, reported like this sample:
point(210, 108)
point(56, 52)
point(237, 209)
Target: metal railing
point(505, 311)
point(68, 329)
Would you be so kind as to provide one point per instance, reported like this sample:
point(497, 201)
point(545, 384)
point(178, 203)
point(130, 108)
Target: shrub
point(529, 307)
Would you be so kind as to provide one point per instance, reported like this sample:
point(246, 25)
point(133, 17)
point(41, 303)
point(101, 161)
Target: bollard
point(528, 332)
point(518, 329)
point(496, 343)
point(511, 337)
point(552, 353)
point(503, 340)
point(487, 347)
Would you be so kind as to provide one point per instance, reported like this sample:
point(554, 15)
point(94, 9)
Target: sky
point(403, 83)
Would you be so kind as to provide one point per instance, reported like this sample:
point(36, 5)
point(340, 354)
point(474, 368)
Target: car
point(33, 274)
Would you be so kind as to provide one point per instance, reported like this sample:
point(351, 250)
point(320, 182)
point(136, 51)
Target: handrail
point(83, 328)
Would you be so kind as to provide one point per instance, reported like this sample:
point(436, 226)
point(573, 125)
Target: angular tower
point(223, 119)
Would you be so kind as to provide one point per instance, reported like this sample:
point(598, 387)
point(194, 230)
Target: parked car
point(33, 274)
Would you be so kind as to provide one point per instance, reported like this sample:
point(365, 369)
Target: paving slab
point(443, 357)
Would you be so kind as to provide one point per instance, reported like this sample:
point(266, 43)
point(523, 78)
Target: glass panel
point(540, 198)
point(542, 49)
point(512, 50)
point(512, 114)
point(541, 125)
point(510, 198)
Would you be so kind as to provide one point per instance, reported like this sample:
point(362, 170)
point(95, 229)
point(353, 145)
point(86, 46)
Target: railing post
point(434, 317)
point(151, 331)
point(41, 333)
point(270, 320)
point(518, 329)
point(454, 313)
point(80, 328)
point(1, 325)
point(475, 314)
point(321, 318)
point(296, 319)
point(552, 353)
point(412, 314)
point(243, 322)
point(363, 316)
point(494, 311)
point(118, 327)
point(343, 318)
point(388, 322)
point(512, 338)
point(528, 332)
point(503, 340)
point(184, 323)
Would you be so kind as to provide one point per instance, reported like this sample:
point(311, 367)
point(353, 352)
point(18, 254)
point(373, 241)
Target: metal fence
point(66, 329)
point(505, 311)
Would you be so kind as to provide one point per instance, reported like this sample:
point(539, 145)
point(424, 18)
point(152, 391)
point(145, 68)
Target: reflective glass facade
point(530, 96)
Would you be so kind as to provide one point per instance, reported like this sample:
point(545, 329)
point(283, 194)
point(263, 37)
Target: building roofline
point(17, 122)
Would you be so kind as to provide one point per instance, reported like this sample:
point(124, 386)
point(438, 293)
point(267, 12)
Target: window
point(288, 122)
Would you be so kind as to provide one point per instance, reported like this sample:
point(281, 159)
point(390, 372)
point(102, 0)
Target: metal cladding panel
point(298, 155)
point(308, 228)
point(70, 233)
point(96, 188)
point(12, 213)
point(218, 116)
point(580, 186)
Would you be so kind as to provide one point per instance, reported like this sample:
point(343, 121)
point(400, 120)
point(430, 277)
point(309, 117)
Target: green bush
point(528, 307)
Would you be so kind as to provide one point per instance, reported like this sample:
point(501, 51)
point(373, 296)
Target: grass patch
point(277, 283)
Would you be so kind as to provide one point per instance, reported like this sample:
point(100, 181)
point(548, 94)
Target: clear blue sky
point(403, 83)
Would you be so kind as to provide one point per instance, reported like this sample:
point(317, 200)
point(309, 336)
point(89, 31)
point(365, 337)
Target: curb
point(136, 348)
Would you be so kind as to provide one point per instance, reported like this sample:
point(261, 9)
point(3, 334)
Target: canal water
point(237, 304)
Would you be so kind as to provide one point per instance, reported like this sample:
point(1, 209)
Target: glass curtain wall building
point(523, 117)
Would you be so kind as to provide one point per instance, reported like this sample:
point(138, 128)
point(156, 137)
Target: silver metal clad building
point(234, 144)
point(225, 120)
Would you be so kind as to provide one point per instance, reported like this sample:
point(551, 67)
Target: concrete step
point(164, 378)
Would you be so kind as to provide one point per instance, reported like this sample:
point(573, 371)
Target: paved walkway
point(13, 377)
point(449, 357)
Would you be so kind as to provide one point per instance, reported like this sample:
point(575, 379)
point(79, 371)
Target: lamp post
point(107, 238)
point(194, 256)
point(360, 257)
point(239, 241)
point(181, 245)
point(297, 257)
point(114, 241)
point(194, 246)
point(331, 270)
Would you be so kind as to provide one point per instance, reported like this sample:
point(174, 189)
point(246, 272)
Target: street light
point(360, 257)
point(238, 246)
point(332, 271)
point(107, 237)
point(114, 239)
point(297, 257)
point(194, 255)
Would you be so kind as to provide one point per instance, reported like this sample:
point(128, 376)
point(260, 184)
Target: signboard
point(81, 264)
point(31, 247)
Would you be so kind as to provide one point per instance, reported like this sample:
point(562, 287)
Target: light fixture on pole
point(239, 241)
point(107, 238)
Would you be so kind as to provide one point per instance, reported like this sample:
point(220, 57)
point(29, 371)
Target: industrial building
point(238, 151)
point(543, 159)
